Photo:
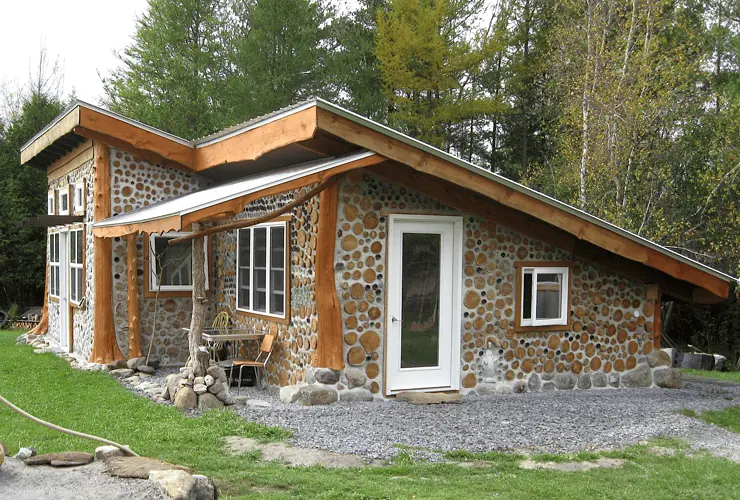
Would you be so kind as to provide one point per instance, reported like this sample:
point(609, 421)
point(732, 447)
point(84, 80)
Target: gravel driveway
point(534, 422)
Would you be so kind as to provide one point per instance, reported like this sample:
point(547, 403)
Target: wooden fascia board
point(172, 223)
point(255, 142)
point(128, 136)
point(59, 129)
point(234, 206)
point(70, 161)
point(585, 230)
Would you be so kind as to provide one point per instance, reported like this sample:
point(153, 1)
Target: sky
point(82, 34)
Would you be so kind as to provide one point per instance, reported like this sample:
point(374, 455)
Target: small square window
point(64, 202)
point(544, 296)
point(78, 197)
point(51, 210)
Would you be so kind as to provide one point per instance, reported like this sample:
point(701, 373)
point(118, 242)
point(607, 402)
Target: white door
point(424, 297)
point(64, 256)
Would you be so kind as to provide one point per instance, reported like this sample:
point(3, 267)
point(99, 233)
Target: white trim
point(564, 295)
point(51, 202)
point(78, 196)
point(63, 194)
point(153, 285)
point(268, 267)
point(76, 265)
point(453, 292)
point(54, 263)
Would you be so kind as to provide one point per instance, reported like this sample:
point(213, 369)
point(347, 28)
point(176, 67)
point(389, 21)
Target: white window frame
point(564, 303)
point(153, 285)
point(73, 266)
point(268, 257)
point(78, 196)
point(51, 201)
point(54, 264)
point(63, 193)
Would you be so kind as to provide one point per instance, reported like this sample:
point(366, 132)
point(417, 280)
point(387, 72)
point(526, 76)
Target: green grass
point(95, 403)
point(726, 376)
point(729, 418)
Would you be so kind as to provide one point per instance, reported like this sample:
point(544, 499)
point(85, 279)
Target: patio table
point(233, 337)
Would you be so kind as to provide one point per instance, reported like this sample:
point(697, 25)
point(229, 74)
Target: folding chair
point(268, 343)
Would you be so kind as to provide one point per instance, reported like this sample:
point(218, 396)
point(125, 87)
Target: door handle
point(394, 319)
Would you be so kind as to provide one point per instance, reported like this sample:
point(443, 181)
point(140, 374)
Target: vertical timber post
point(329, 349)
point(105, 348)
point(198, 319)
point(134, 317)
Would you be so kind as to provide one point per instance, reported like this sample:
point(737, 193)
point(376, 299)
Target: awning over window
point(179, 212)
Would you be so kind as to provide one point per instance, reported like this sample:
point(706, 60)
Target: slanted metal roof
point(205, 198)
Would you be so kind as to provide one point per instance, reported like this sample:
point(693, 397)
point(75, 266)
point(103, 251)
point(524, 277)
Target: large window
point(54, 265)
point(76, 258)
point(543, 297)
point(171, 265)
point(261, 269)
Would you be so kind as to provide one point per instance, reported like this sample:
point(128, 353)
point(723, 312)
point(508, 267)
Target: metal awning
point(176, 208)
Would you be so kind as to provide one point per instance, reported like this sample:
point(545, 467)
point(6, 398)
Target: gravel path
point(533, 422)
point(23, 482)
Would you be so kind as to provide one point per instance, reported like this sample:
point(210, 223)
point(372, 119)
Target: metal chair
point(221, 325)
point(268, 343)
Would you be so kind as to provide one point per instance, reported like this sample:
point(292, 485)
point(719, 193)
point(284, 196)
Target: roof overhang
point(227, 200)
point(308, 121)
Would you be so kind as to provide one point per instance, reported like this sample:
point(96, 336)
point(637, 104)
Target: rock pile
point(328, 386)
point(188, 390)
point(127, 368)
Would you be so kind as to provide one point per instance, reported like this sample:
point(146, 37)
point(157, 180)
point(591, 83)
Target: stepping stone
point(429, 398)
point(138, 467)
point(63, 459)
point(604, 463)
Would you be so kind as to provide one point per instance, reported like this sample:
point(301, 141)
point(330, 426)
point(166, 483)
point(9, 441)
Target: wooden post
point(43, 327)
point(198, 319)
point(329, 349)
point(655, 294)
point(134, 318)
point(105, 348)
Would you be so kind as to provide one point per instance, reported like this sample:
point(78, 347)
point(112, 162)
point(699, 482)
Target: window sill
point(264, 317)
point(543, 328)
point(152, 294)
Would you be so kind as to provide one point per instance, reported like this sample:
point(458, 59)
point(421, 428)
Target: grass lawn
point(729, 418)
point(726, 376)
point(95, 403)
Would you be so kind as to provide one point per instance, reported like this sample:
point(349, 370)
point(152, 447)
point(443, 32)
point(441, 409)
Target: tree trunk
point(198, 319)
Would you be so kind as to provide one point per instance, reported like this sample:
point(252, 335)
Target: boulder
point(209, 401)
point(355, 378)
point(205, 489)
point(217, 373)
point(641, 376)
point(668, 378)
point(519, 387)
point(137, 467)
point(598, 379)
point(216, 387)
point(135, 363)
point(672, 353)
point(613, 379)
point(209, 380)
point(177, 484)
point(62, 459)
point(146, 369)
point(658, 358)
point(316, 394)
point(584, 381)
point(200, 389)
point(289, 393)
point(565, 381)
point(185, 398)
point(326, 376)
point(258, 403)
point(122, 372)
point(153, 362)
point(429, 398)
point(172, 384)
point(25, 453)
point(548, 386)
point(103, 453)
point(534, 383)
point(2, 454)
point(116, 365)
point(358, 394)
